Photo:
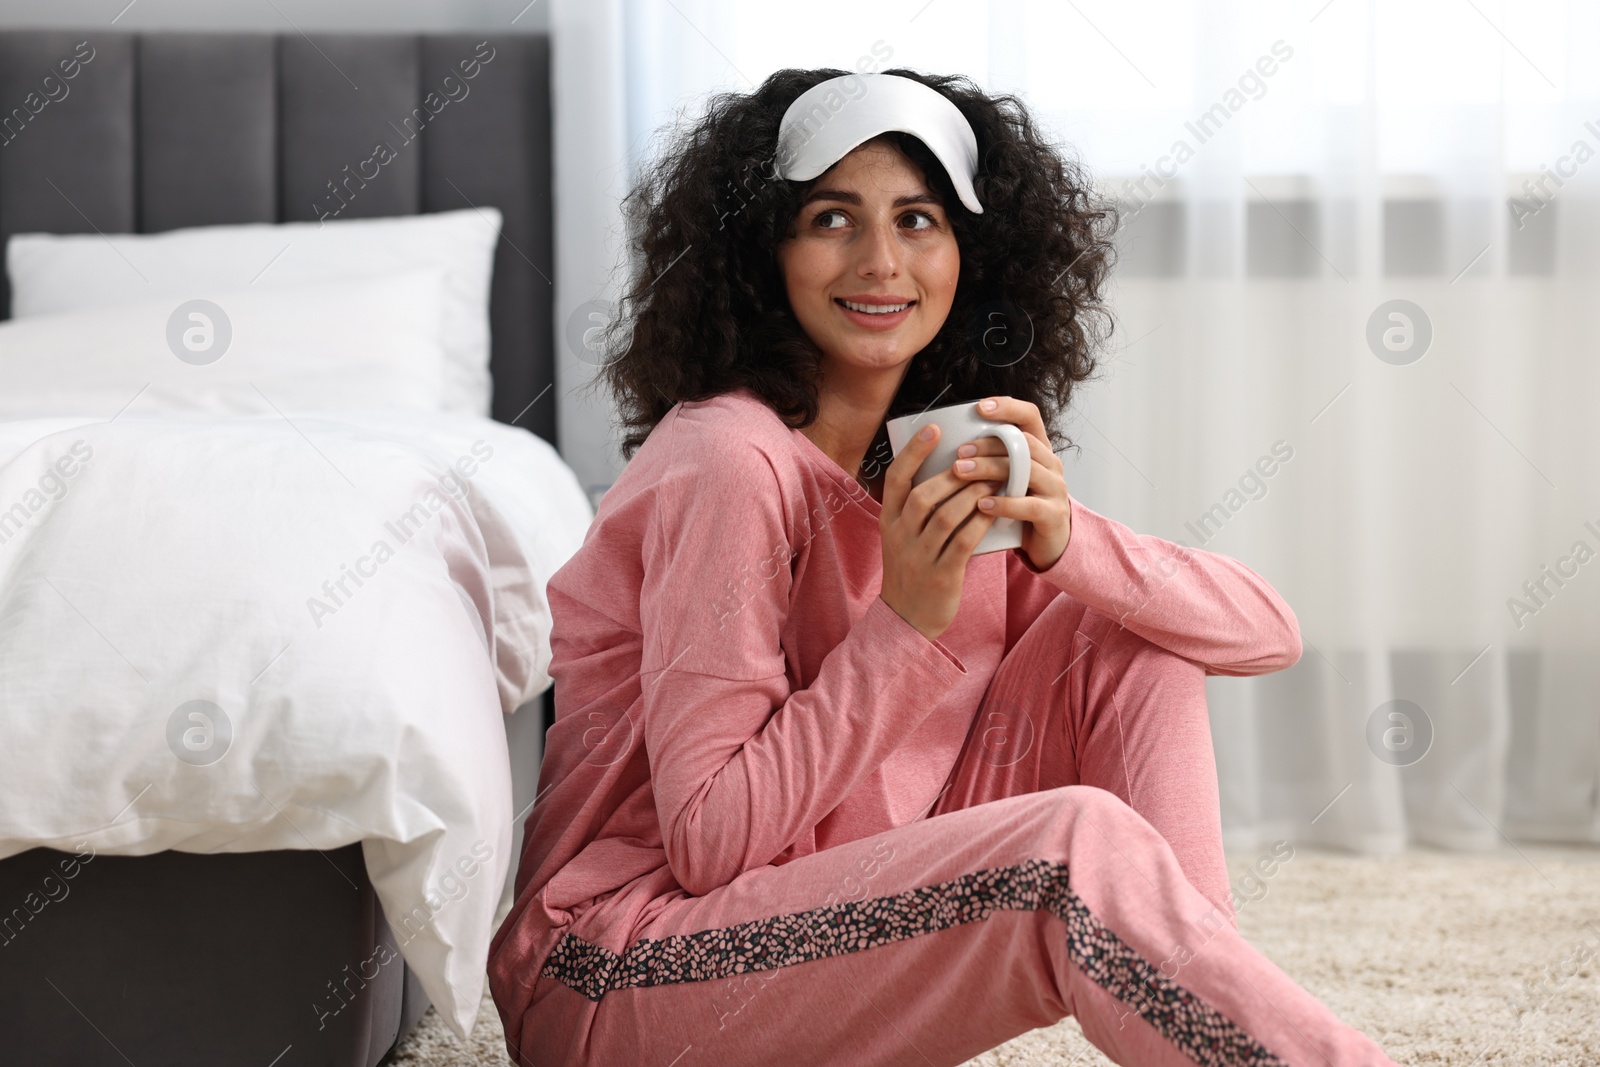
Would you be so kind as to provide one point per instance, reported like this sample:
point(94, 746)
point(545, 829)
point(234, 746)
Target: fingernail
point(988, 405)
point(965, 465)
point(927, 432)
point(967, 450)
point(987, 503)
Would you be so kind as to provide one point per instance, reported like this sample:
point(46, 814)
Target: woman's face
point(871, 232)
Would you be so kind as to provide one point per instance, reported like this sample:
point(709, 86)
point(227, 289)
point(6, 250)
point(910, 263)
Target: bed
point(254, 806)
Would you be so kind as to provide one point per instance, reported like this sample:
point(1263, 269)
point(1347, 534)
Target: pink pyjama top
point(732, 692)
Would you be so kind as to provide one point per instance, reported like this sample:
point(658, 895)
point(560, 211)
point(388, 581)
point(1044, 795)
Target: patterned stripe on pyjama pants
point(1205, 1034)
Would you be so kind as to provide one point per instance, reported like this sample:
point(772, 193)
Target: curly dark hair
point(706, 309)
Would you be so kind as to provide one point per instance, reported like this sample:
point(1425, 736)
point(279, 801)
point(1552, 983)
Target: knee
point(1041, 820)
point(1084, 824)
point(1093, 810)
point(1095, 826)
point(1076, 826)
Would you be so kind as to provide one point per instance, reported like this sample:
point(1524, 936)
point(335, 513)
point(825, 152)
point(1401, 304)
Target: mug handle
point(1017, 452)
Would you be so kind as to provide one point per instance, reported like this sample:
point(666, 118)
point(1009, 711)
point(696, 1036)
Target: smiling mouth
point(873, 309)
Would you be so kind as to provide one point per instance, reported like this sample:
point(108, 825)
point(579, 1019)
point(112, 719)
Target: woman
point(823, 787)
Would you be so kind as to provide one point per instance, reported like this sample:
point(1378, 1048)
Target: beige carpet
point(1431, 953)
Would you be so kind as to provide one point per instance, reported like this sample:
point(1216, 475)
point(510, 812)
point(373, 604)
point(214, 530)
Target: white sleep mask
point(832, 117)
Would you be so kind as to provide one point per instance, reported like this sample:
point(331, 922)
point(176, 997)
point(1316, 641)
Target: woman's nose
point(879, 249)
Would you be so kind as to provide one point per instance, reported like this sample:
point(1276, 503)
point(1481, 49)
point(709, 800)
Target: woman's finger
point(1024, 414)
point(897, 479)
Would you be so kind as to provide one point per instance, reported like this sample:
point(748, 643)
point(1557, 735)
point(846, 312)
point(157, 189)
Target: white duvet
point(240, 634)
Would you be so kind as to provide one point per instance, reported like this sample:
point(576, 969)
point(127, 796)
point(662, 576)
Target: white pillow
point(51, 273)
point(264, 350)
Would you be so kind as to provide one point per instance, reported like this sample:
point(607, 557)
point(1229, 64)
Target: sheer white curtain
point(1355, 349)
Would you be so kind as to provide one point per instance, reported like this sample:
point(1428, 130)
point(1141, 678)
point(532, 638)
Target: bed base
point(263, 959)
point(183, 959)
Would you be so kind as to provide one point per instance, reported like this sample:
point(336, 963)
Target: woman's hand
point(1046, 509)
point(929, 533)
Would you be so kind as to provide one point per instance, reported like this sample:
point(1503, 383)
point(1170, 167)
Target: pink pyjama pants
point(1073, 866)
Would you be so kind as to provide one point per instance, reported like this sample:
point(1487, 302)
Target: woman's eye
point(822, 220)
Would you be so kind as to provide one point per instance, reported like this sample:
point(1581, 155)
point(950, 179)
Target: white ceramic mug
point(959, 424)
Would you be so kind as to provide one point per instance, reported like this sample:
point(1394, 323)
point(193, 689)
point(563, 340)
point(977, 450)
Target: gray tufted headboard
point(159, 131)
